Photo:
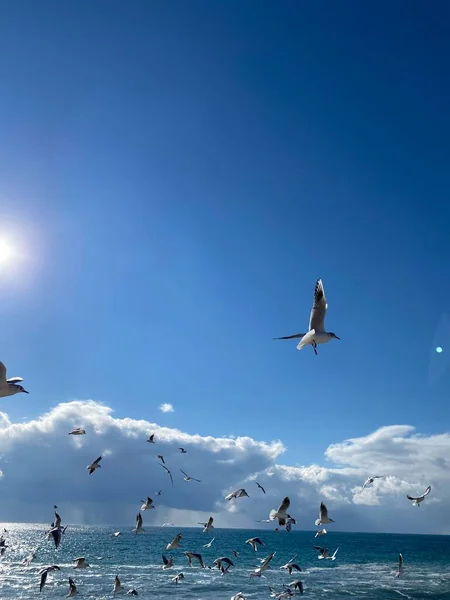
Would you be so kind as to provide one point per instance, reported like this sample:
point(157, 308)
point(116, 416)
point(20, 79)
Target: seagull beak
point(338, 338)
point(25, 391)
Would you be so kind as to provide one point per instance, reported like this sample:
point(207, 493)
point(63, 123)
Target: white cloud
point(166, 407)
point(38, 455)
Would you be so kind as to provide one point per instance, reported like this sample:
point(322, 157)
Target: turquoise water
point(365, 567)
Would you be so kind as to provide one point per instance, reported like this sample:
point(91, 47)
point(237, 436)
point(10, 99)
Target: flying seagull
point(147, 504)
point(260, 487)
point(236, 494)
point(253, 542)
point(323, 552)
point(316, 334)
point(182, 450)
point(265, 564)
point(297, 585)
point(9, 387)
point(117, 586)
point(223, 559)
point(151, 439)
point(161, 458)
point(77, 431)
point(323, 516)
point(95, 465)
point(158, 493)
point(281, 512)
point(175, 542)
point(209, 544)
point(291, 565)
point(370, 480)
point(116, 534)
point(321, 532)
point(187, 478)
point(207, 526)
point(178, 578)
point(191, 555)
point(400, 566)
point(81, 563)
point(419, 499)
point(138, 528)
point(72, 589)
point(29, 559)
point(167, 471)
point(44, 572)
point(168, 562)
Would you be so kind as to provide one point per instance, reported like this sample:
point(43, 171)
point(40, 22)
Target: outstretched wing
point(319, 309)
point(323, 512)
point(284, 505)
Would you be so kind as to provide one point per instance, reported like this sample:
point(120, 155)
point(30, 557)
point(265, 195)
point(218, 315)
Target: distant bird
point(77, 431)
point(44, 573)
point(168, 562)
point(132, 592)
point(167, 525)
point(253, 542)
point(187, 478)
point(209, 544)
point(151, 439)
point(265, 564)
point(291, 565)
point(81, 563)
point(116, 534)
point(161, 458)
point(297, 585)
point(419, 499)
point(147, 504)
point(178, 578)
point(167, 471)
point(158, 493)
point(174, 544)
point(9, 387)
point(117, 586)
point(72, 589)
point(236, 494)
point(321, 532)
point(260, 487)
point(138, 528)
point(400, 566)
point(236, 553)
point(323, 516)
point(281, 512)
point(95, 465)
point(286, 593)
point(207, 526)
point(370, 480)
point(316, 334)
point(29, 559)
point(182, 450)
point(219, 562)
point(191, 555)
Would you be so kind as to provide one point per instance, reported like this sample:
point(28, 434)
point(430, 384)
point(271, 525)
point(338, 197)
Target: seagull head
point(333, 335)
point(20, 388)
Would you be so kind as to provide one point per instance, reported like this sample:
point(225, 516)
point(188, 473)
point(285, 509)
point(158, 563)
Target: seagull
point(260, 487)
point(116, 534)
point(72, 589)
point(56, 533)
point(323, 552)
point(168, 562)
point(265, 564)
point(147, 504)
point(400, 565)
point(286, 593)
point(323, 516)
point(316, 334)
point(237, 494)
point(291, 565)
point(238, 596)
point(81, 563)
point(297, 585)
point(175, 542)
point(182, 450)
point(29, 559)
point(223, 559)
point(95, 465)
point(138, 528)
point(44, 572)
point(191, 555)
point(117, 587)
point(167, 525)
point(161, 458)
point(151, 439)
point(178, 578)
point(77, 431)
point(57, 522)
point(158, 493)
point(187, 478)
point(209, 544)
point(419, 499)
point(207, 526)
point(281, 513)
point(253, 542)
point(132, 592)
point(370, 480)
point(321, 532)
point(236, 553)
point(168, 471)
point(9, 387)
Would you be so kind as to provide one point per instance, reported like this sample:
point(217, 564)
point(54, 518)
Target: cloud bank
point(42, 465)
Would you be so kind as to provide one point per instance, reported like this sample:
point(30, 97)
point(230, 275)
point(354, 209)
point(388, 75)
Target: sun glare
point(5, 251)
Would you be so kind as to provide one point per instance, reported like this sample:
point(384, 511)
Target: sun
point(5, 251)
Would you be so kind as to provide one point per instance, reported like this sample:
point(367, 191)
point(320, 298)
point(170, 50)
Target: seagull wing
point(14, 379)
point(43, 579)
point(97, 461)
point(185, 474)
point(210, 521)
point(323, 512)
point(167, 470)
point(319, 549)
point(260, 486)
point(165, 561)
point(200, 559)
point(138, 521)
point(427, 491)
point(284, 506)
point(319, 309)
point(197, 480)
point(2, 373)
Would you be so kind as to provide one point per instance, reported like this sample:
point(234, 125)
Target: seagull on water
point(191, 555)
point(370, 480)
point(9, 387)
point(138, 528)
point(151, 439)
point(323, 516)
point(260, 487)
point(281, 512)
point(81, 563)
point(187, 478)
point(147, 504)
point(178, 578)
point(168, 562)
point(117, 586)
point(419, 499)
point(316, 334)
point(321, 532)
point(182, 450)
point(237, 494)
point(400, 566)
point(207, 526)
point(253, 542)
point(72, 589)
point(209, 544)
point(44, 572)
point(291, 565)
point(167, 471)
point(77, 431)
point(95, 465)
point(174, 544)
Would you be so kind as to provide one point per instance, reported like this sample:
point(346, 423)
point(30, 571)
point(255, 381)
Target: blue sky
point(177, 175)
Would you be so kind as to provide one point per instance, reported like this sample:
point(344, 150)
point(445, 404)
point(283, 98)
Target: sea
point(365, 566)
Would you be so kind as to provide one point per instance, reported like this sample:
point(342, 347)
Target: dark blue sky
point(176, 175)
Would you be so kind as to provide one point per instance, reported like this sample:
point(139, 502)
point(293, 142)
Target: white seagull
point(291, 565)
point(265, 564)
point(117, 586)
point(178, 578)
point(95, 465)
point(207, 526)
point(400, 565)
point(370, 480)
point(187, 478)
point(209, 544)
point(253, 542)
point(44, 572)
point(168, 562)
point(72, 589)
point(316, 334)
point(81, 563)
point(9, 387)
point(281, 512)
point(138, 528)
point(323, 516)
point(321, 532)
point(174, 544)
point(419, 499)
point(147, 504)
point(237, 494)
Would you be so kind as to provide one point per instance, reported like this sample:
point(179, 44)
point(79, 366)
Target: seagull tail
point(318, 522)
